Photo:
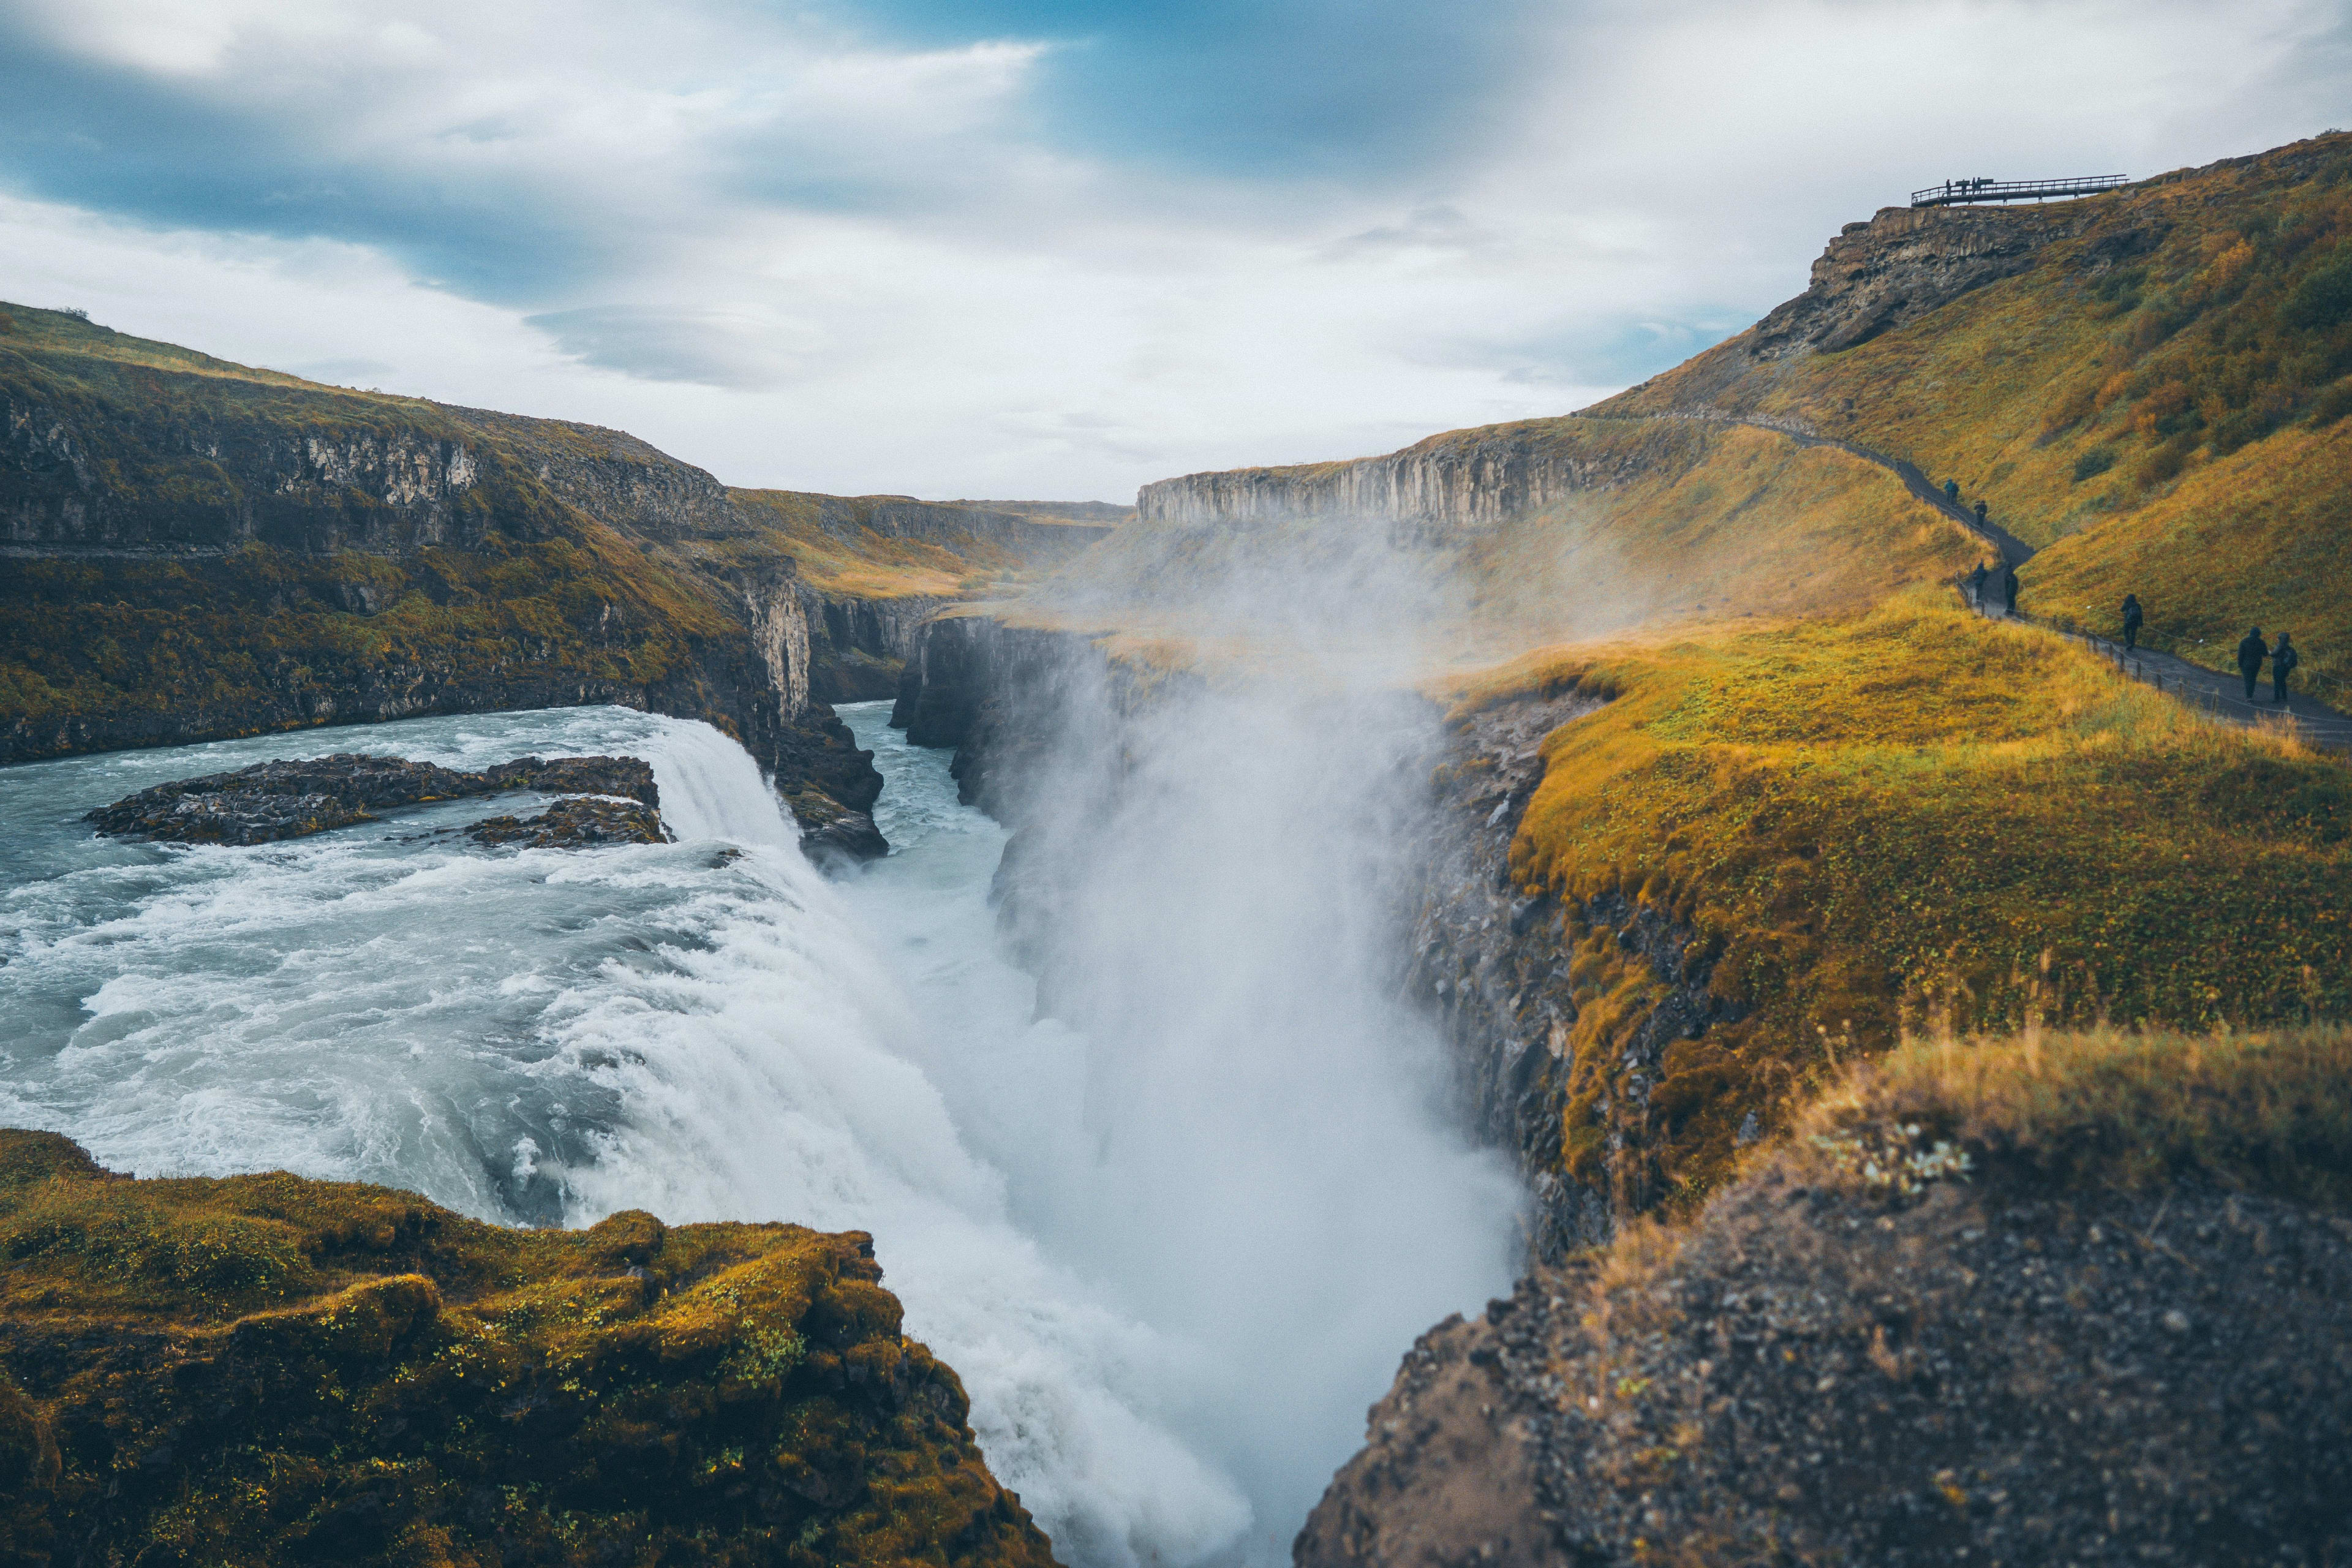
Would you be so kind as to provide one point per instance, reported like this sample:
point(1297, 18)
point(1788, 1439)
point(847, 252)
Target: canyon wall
point(1449, 481)
point(199, 550)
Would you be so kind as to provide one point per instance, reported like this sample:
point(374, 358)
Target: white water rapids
point(1169, 1334)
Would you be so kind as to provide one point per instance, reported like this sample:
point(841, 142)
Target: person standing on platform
point(2009, 589)
point(2251, 652)
point(1976, 586)
point(2131, 623)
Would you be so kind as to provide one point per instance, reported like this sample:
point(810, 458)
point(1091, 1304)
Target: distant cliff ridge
point(956, 523)
point(1463, 478)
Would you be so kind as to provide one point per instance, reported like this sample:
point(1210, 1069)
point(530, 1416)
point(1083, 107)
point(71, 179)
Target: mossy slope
point(1911, 819)
point(265, 1370)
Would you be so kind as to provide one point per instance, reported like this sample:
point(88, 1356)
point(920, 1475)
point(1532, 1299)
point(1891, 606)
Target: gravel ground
point(1814, 1375)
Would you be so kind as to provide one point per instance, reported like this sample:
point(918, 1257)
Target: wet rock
point(848, 837)
point(271, 801)
point(577, 824)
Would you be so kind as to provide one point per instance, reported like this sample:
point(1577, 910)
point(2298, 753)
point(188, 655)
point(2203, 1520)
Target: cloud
point(1048, 247)
point(712, 348)
point(1287, 88)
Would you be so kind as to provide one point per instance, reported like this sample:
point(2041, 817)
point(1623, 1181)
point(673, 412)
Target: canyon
point(1610, 824)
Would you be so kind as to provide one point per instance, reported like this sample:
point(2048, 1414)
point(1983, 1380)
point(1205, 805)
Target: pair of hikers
point(2283, 659)
point(2008, 587)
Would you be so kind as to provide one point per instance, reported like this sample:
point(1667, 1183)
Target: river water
point(711, 1029)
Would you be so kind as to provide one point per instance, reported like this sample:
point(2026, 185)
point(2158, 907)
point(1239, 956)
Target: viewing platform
point(1952, 192)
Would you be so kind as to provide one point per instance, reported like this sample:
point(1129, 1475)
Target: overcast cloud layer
point(1048, 248)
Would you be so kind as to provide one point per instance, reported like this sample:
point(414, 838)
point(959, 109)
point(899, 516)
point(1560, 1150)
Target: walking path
point(2221, 696)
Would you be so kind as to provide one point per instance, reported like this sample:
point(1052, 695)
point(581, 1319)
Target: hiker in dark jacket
point(1976, 586)
point(2131, 622)
point(2251, 652)
point(2009, 588)
point(1982, 509)
point(1952, 491)
point(2283, 659)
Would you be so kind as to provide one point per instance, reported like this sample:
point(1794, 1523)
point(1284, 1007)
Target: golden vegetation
point(2267, 1111)
point(856, 561)
point(1707, 522)
point(2157, 400)
point(1915, 819)
point(265, 1370)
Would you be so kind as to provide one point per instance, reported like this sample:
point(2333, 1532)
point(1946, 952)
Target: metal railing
point(1953, 191)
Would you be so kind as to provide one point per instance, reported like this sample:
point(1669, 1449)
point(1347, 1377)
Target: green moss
point(1908, 820)
point(264, 1370)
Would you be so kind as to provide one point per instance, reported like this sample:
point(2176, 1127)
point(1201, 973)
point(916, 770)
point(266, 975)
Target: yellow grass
point(1909, 818)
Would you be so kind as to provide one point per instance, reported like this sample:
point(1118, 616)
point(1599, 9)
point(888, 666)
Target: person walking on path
point(1976, 586)
point(2131, 623)
point(2251, 652)
point(1982, 509)
point(2009, 588)
point(2283, 659)
point(1952, 491)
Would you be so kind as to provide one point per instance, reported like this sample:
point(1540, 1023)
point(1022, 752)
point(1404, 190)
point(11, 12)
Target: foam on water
point(709, 1030)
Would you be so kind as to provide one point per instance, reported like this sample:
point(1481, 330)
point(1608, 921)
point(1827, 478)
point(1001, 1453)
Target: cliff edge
point(264, 1370)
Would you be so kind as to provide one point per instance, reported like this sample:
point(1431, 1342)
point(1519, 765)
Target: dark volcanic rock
point(850, 836)
point(578, 824)
point(1821, 1377)
point(291, 799)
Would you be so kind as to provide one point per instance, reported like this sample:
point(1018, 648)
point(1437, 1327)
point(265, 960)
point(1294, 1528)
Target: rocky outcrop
point(1906, 262)
point(265, 1369)
point(271, 801)
point(579, 823)
point(1816, 1374)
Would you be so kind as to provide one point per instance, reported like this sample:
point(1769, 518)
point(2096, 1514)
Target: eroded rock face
point(271, 801)
point(1978, 1376)
point(1906, 262)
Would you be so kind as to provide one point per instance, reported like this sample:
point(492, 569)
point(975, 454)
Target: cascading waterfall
point(708, 1029)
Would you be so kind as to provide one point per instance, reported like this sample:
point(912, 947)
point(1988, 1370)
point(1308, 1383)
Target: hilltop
point(2150, 386)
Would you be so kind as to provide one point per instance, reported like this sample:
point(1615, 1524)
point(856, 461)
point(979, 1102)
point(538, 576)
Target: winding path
point(2218, 695)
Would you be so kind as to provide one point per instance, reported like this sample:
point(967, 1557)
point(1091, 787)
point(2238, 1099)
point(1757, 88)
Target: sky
point(1049, 248)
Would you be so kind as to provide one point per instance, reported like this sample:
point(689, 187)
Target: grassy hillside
point(1670, 522)
point(2157, 397)
point(1907, 820)
point(269, 1371)
point(858, 561)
